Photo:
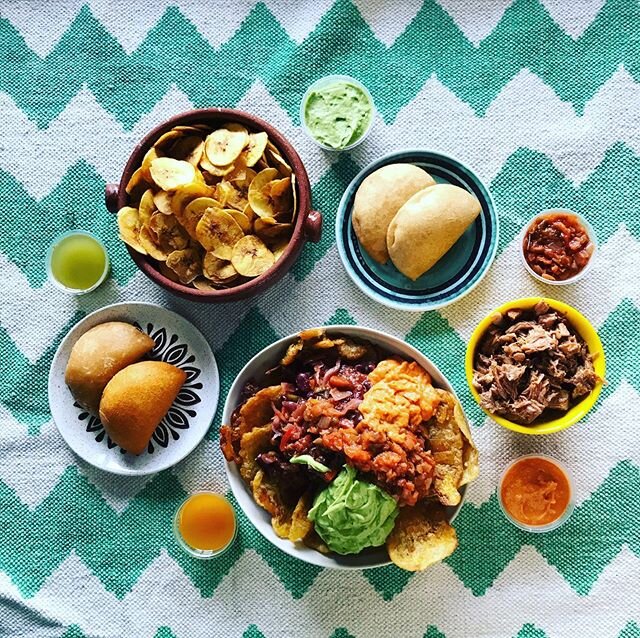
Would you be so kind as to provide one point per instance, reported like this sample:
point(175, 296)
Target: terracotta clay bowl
point(308, 224)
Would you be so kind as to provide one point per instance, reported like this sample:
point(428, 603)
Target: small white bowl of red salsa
point(558, 246)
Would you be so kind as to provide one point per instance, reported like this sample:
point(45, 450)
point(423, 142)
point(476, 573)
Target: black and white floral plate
point(177, 342)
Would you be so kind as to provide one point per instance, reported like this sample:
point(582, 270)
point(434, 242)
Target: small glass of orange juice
point(205, 524)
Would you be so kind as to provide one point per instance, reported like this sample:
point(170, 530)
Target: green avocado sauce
point(338, 115)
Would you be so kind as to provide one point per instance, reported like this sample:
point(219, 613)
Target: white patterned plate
point(177, 342)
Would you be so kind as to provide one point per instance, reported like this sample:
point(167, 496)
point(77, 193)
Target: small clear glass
point(590, 232)
point(553, 524)
point(326, 81)
point(58, 284)
point(194, 551)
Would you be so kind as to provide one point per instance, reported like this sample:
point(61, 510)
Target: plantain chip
point(281, 197)
point(255, 148)
point(267, 495)
point(470, 457)
point(203, 284)
point(129, 228)
point(258, 409)
point(239, 172)
point(162, 235)
point(192, 128)
point(149, 156)
point(251, 257)
point(248, 212)
point(168, 273)
point(188, 193)
point(167, 139)
point(301, 525)
point(185, 263)
point(162, 202)
point(260, 201)
point(421, 537)
point(223, 145)
point(294, 197)
point(147, 207)
point(136, 185)
point(229, 195)
point(279, 248)
point(240, 218)
point(170, 174)
point(188, 149)
point(218, 270)
point(268, 228)
point(218, 233)
point(446, 446)
point(253, 443)
point(149, 243)
point(193, 213)
point(275, 159)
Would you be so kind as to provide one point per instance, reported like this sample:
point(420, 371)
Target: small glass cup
point(326, 81)
point(52, 278)
point(194, 551)
point(553, 524)
point(590, 232)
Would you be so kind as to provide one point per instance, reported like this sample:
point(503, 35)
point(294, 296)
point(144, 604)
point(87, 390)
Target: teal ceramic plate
point(454, 275)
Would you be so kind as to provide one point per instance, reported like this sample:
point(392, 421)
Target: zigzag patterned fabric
point(541, 97)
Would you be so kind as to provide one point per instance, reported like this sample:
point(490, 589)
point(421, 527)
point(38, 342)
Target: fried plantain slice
point(218, 233)
point(259, 199)
point(258, 410)
point(446, 446)
point(421, 537)
point(251, 257)
point(185, 263)
point(129, 228)
point(218, 270)
point(223, 145)
point(252, 443)
point(170, 174)
point(255, 149)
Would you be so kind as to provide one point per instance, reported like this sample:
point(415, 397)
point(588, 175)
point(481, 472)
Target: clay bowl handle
point(111, 197)
point(313, 226)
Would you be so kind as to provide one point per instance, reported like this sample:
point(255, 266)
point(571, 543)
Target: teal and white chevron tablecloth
point(541, 97)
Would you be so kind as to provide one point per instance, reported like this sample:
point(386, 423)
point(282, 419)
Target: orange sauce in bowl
point(207, 522)
point(535, 491)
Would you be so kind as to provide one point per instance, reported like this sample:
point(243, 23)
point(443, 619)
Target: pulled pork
point(531, 362)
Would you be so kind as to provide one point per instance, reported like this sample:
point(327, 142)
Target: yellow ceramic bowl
point(581, 324)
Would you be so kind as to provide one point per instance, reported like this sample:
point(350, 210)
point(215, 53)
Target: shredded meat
point(530, 362)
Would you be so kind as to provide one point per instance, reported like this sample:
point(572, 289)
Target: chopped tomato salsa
point(557, 246)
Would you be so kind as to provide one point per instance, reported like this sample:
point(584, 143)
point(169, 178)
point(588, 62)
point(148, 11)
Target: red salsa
point(557, 246)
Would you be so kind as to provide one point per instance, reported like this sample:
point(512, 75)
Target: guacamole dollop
point(350, 515)
point(338, 114)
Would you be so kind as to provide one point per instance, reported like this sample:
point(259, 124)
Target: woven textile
point(540, 98)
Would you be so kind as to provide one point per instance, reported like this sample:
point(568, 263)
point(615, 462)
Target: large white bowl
point(268, 358)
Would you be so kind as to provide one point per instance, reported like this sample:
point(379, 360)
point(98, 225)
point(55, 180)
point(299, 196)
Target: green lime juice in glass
point(77, 262)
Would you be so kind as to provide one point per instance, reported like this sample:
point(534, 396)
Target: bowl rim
point(582, 326)
point(49, 257)
point(303, 188)
point(244, 499)
point(590, 232)
point(341, 219)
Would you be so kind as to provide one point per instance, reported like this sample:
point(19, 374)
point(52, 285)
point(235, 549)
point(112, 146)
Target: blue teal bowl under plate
point(454, 275)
